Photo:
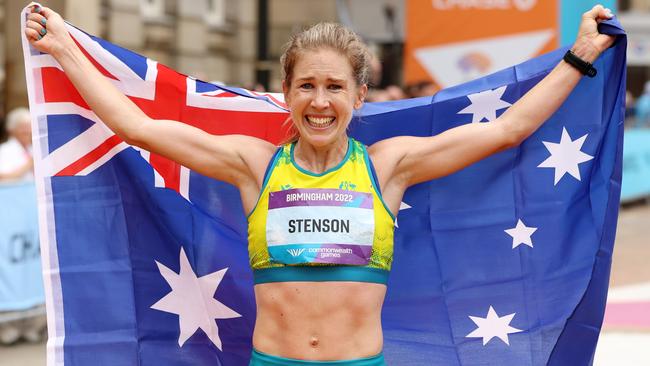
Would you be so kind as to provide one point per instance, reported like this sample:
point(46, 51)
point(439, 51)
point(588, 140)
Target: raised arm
point(404, 161)
point(220, 157)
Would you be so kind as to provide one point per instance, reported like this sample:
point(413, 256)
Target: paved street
point(23, 355)
point(626, 332)
point(626, 329)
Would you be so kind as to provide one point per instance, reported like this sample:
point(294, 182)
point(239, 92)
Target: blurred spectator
point(642, 107)
point(375, 71)
point(395, 92)
point(392, 92)
point(377, 95)
point(16, 162)
point(629, 106)
point(422, 88)
point(257, 87)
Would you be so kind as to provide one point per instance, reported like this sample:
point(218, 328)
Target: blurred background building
point(635, 17)
point(239, 42)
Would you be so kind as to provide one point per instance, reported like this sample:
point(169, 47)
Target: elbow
point(131, 137)
point(515, 140)
point(512, 134)
point(135, 135)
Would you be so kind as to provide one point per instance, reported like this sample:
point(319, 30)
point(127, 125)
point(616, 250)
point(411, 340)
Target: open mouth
point(319, 123)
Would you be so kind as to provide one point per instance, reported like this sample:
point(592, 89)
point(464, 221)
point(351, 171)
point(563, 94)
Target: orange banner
point(453, 41)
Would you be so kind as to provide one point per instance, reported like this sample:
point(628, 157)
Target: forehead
point(322, 63)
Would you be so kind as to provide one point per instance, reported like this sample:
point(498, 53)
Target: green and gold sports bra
point(332, 226)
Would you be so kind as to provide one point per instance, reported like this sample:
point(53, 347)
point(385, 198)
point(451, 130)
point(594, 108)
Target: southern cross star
point(565, 156)
point(402, 206)
point(493, 326)
point(192, 298)
point(486, 104)
point(521, 234)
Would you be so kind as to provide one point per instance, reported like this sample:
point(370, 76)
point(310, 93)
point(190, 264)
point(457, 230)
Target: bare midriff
point(319, 321)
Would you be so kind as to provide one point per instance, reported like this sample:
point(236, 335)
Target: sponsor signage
point(453, 41)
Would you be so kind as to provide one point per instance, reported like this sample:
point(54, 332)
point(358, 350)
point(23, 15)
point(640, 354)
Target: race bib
point(320, 226)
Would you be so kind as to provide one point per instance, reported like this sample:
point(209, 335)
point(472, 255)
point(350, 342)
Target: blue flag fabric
point(504, 262)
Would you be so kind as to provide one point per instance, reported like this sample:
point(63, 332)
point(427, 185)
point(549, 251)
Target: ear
point(285, 91)
point(361, 96)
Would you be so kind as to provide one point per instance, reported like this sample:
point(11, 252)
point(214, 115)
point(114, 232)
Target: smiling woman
point(321, 207)
point(322, 93)
point(334, 52)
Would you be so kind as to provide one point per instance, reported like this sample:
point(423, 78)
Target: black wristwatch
point(583, 66)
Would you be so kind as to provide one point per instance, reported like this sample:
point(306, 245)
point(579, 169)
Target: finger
point(32, 34)
point(37, 17)
point(608, 13)
point(593, 12)
point(36, 26)
point(36, 8)
point(604, 14)
point(600, 12)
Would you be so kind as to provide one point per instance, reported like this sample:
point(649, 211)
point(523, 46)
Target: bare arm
point(405, 161)
point(220, 157)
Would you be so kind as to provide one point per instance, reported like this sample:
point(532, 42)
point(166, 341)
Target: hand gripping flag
point(503, 263)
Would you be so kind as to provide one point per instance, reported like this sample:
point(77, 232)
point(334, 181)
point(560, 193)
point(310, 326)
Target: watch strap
point(581, 65)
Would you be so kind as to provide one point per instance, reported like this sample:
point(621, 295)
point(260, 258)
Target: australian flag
point(503, 263)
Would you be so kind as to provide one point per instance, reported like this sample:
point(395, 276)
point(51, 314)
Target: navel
point(313, 342)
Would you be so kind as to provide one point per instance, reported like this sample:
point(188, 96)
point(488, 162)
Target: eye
point(335, 87)
point(306, 86)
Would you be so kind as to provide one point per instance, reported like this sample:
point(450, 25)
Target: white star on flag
point(565, 156)
point(402, 206)
point(521, 234)
point(493, 326)
point(486, 104)
point(192, 298)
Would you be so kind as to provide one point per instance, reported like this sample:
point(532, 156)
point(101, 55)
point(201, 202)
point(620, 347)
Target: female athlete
point(321, 207)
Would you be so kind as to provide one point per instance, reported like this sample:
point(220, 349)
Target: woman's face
point(322, 96)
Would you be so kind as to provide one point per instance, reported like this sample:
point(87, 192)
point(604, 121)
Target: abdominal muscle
point(321, 321)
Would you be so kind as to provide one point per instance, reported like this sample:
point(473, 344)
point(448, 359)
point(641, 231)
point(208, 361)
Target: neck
point(320, 159)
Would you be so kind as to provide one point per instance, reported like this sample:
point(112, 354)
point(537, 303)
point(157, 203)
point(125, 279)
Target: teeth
point(320, 121)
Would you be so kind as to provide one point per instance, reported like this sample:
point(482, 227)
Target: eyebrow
point(309, 78)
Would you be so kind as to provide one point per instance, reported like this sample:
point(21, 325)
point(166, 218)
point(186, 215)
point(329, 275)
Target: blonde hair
point(16, 117)
point(326, 35)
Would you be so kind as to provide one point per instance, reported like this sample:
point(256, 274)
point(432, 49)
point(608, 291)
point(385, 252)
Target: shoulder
point(251, 154)
point(251, 148)
point(388, 151)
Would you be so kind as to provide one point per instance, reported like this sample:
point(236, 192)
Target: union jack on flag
point(505, 262)
point(161, 93)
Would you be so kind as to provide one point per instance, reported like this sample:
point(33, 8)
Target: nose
point(320, 100)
